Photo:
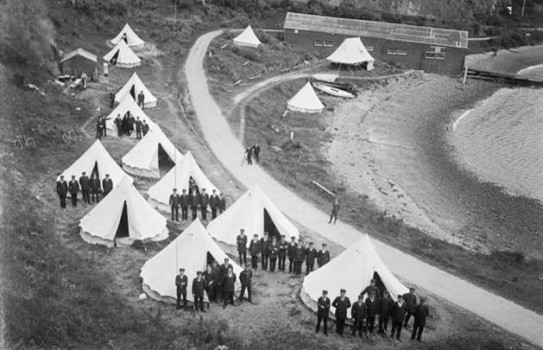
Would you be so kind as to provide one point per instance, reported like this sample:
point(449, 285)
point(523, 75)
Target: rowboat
point(332, 90)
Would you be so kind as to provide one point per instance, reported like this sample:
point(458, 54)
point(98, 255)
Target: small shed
point(79, 61)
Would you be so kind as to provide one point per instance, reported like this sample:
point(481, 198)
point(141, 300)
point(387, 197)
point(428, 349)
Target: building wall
point(442, 60)
point(76, 65)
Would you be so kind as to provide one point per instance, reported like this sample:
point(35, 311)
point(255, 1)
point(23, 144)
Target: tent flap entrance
point(165, 163)
point(270, 227)
point(122, 229)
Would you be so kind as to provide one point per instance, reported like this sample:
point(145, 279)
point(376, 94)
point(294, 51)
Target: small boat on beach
point(330, 90)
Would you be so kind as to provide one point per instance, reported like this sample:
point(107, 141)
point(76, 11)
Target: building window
point(401, 52)
point(325, 43)
point(392, 52)
point(436, 54)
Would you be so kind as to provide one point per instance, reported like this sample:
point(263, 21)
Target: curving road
point(229, 150)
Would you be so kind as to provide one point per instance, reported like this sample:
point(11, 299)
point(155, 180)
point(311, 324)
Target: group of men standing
point(194, 200)
point(364, 312)
point(270, 250)
point(127, 124)
point(90, 188)
point(101, 129)
point(219, 283)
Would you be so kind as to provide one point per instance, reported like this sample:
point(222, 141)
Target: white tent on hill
point(255, 213)
point(123, 216)
point(122, 56)
point(352, 270)
point(352, 52)
point(306, 101)
point(128, 104)
point(178, 177)
point(189, 251)
point(247, 38)
point(96, 159)
point(132, 88)
point(142, 160)
point(132, 39)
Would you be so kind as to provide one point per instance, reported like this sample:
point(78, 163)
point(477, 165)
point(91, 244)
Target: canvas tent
point(255, 213)
point(247, 38)
point(306, 101)
point(178, 177)
point(128, 104)
point(364, 262)
point(96, 159)
point(142, 160)
point(132, 39)
point(352, 52)
point(78, 62)
point(189, 251)
point(122, 56)
point(122, 217)
point(132, 88)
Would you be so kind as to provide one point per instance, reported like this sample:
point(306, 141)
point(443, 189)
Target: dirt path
point(229, 151)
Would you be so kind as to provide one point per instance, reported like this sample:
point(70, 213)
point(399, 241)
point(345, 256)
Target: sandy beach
point(390, 143)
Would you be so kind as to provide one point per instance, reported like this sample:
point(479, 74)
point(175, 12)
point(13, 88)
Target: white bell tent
point(132, 39)
point(247, 38)
point(122, 56)
point(352, 52)
point(305, 101)
point(132, 88)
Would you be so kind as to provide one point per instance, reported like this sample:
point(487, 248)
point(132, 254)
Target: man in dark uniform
point(198, 286)
point(274, 251)
point(184, 202)
point(139, 128)
point(342, 304)
point(141, 99)
point(398, 316)
point(214, 203)
point(371, 310)
point(256, 152)
point(62, 191)
point(372, 288)
point(222, 203)
point(410, 300)
point(95, 188)
point(299, 257)
point(310, 256)
point(174, 205)
point(204, 202)
point(194, 201)
point(323, 256)
point(291, 251)
point(283, 247)
point(254, 250)
point(84, 182)
point(107, 185)
point(229, 287)
point(215, 287)
point(210, 280)
point(241, 242)
point(223, 271)
point(73, 188)
point(246, 278)
point(384, 309)
point(323, 309)
point(421, 313)
point(358, 314)
point(335, 210)
point(119, 125)
point(99, 127)
point(265, 251)
point(181, 282)
point(103, 126)
point(145, 127)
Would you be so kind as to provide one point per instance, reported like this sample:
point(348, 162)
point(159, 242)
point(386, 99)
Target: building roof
point(80, 52)
point(384, 30)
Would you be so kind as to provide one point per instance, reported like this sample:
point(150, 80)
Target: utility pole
point(523, 6)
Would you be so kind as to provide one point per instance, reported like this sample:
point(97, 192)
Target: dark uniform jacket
point(184, 200)
point(245, 277)
point(230, 283)
point(283, 247)
point(95, 184)
point(421, 312)
point(274, 251)
point(369, 289)
point(222, 203)
point(62, 187)
point(385, 306)
point(265, 246)
point(341, 307)
point(145, 128)
point(223, 271)
point(241, 242)
point(181, 283)
point(410, 301)
point(310, 255)
point(139, 125)
point(84, 182)
point(198, 286)
point(358, 311)
point(323, 307)
point(291, 250)
point(194, 200)
point(371, 307)
point(174, 200)
point(73, 187)
point(214, 201)
point(204, 200)
point(254, 248)
point(299, 254)
point(323, 257)
point(209, 278)
point(107, 185)
point(398, 312)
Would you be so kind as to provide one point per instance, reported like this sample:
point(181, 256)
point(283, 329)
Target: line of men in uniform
point(194, 200)
point(219, 283)
point(126, 124)
point(90, 188)
point(271, 250)
point(364, 312)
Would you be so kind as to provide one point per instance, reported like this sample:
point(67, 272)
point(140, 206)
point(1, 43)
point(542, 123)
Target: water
point(501, 140)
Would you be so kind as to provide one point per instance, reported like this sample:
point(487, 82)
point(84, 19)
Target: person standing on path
point(291, 251)
point(254, 250)
point(273, 251)
point(62, 191)
point(283, 247)
point(310, 256)
point(410, 300)
point(184, 202)
point(73, 188)
point(241, 242)
point(107, 185)
point(246, 279)
point(256, 152)
point(358, 314)
point(323, 309)
point(249, 155)
point(84, 182)
point(229, 287)
point(181, 282)
point(398, 316)
point(198, 286)
point(265, 251)
point(335, 210)
point(342, 304)
point(95, 188)
point(323, 256)
point(174, 205)
point(421, 313)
